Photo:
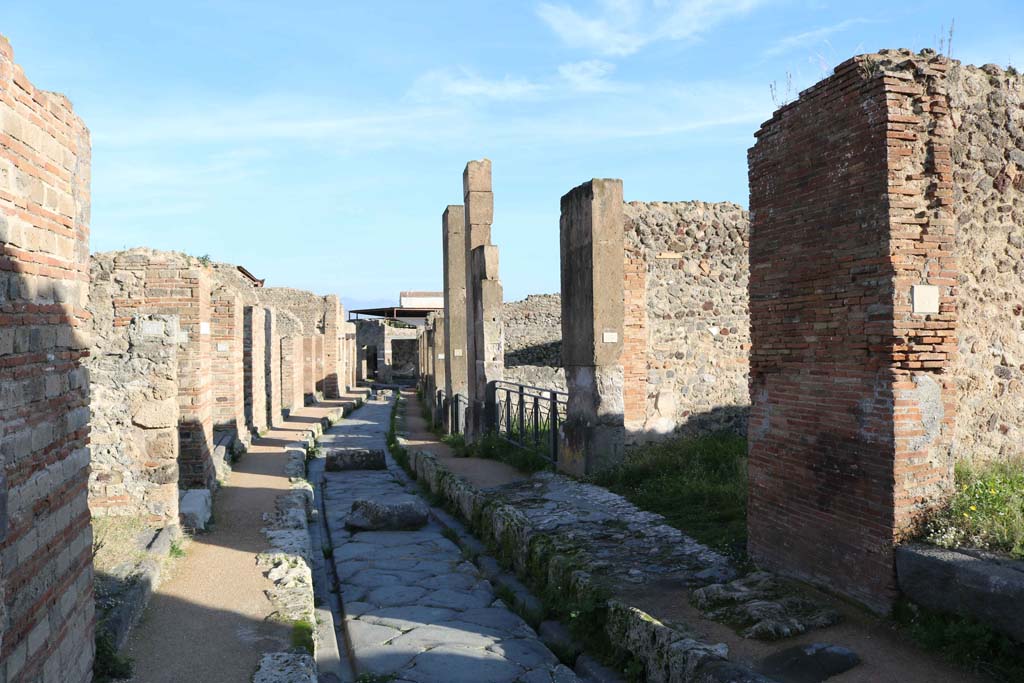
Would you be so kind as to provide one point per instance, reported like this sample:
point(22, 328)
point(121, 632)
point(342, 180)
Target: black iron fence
point(528, 416)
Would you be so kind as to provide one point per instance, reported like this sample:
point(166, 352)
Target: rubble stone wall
point(145, 281)
point(46, 599)
point(133, 378)
point(533, 341)
point(987, 106)
point(311, 309)
point(687, 333)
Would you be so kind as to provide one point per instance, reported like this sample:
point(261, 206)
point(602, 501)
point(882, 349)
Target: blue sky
point(317, 143)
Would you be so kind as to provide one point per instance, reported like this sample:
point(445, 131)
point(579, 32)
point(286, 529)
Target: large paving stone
point(979, 585)
point(809, 663)
point(454, 664)
point(408, 617)
point(344, 459)
point(371, 515)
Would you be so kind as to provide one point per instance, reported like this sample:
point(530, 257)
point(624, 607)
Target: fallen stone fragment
point(809, 663)
point(403, 514)
point(195, 509)
point(286, 667)
point(355, 459)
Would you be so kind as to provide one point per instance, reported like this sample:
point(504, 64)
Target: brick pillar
point(291, 381)
point(319, 365)
point(308, 368)
point(350, 354)
point(439, 371)
point(592, 255)
point(453, 230)
point(227, 323)
point(272, 351)
point(489, 337)
point(47, 622)
point(853, 404)
point(479, 214)
point(256, 368)
point(333, 362)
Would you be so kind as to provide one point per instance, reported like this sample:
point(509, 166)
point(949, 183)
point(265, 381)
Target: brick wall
point(291, 374)
point(852, 392)
point(308, 367)
point(318, 363)
point(333, 362)
point(46, 601)
point(254, 356)
point(227, 334)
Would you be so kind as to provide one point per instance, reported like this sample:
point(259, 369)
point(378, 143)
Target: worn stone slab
point(809, 663)
point(400, 515)
point(339, 460)
point(414, 607)
point(970, 583)
point(195, 507)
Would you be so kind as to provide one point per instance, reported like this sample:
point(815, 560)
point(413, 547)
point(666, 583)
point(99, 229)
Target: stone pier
point(592, 326)
point(478, 200)
point(453, 230)
point(256, 368)
point(228, 357)
point(488, 341)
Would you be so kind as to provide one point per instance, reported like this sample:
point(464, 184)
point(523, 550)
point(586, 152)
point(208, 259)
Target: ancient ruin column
point(489, 336)
point(46, 576)
point(256, 368)
point(592, 326)
point(351, 363)
point(479, 214)
point(333, 361)
point(227, 323)
point(453, 230)
point(318, 365)
point(309, 368)
point(853, 305)
point(272, 351)
point(439, 369)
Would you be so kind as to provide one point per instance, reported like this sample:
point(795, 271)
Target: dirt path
point(207, 622)
point(480, 472)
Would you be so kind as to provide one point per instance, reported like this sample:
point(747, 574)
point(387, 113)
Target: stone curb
point(121, 619)
point(668, 655)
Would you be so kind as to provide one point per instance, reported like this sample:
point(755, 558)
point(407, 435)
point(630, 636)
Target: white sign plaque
point(925, 298)
point(610, 337)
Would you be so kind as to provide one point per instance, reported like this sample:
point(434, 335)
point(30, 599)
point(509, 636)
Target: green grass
point(302, 635)
point(177, 551)
point(108, 665)
point(962, 641)
point(493, 447)
point(699, 484)
point(986, 510)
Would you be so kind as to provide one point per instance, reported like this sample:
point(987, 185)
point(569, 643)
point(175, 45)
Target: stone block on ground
point(971, 583)
point(342, 459)
point(286, 667)
point(395, 514)
point(195, 507)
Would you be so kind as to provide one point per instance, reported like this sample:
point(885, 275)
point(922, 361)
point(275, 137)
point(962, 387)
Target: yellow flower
point(974, 507)
point(967, 516)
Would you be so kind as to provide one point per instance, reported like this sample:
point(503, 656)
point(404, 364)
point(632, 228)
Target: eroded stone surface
point(414, 607)
point(393, 514)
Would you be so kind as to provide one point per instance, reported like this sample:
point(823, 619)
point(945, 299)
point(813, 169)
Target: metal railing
point(529, 417)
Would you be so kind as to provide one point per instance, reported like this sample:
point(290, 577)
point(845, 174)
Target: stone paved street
point(413, 605)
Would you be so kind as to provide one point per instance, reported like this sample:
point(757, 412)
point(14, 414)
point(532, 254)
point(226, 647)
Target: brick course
point(46, 600)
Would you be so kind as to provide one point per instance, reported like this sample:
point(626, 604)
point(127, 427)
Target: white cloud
point(622, 27)
point(809, 39)
point(466, 83)
point(589, 76)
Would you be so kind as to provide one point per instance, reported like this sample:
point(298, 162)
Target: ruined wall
point(687, 328)
point(46, 601)
point(227, 334)
point(133, 378)
point(272, 367)
point(311, 309)
point(851, 383)
point(254, 354)
point(290, 330)
point(404, 361)
point(333, 361)
point(145, 281)
point(533, 341)
point(987, 107)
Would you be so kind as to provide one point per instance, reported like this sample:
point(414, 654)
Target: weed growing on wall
point(986, 510)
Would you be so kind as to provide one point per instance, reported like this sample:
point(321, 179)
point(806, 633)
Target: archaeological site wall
point(46, 600)
point(227, 339)
point(533, 341)
point(272, 367)
point(255, 374)
point(290, 330)
point(885, 232)
point(686, 321)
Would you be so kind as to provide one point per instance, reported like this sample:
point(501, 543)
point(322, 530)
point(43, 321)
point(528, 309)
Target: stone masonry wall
point(144, 281)
point(272, 367)
point(133, 378)
point(46, 600)
point(227, 335)
point(311, 309)
point(687, 331)
point(255, 349)
point(987, 107)
point(533, 341)
point(289, 328)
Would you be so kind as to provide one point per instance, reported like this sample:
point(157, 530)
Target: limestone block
point(355, 459)
point(195, 507)
point(407, 512)
point(156, 414)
